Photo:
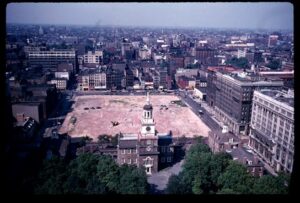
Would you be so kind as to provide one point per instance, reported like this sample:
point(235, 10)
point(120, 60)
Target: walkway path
point(159, 180)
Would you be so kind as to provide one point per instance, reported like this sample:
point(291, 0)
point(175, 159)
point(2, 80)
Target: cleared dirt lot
point(94, 115)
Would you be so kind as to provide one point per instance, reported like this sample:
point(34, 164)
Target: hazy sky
point(218, 15)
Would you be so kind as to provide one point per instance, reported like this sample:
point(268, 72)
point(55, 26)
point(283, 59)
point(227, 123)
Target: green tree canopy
point(52, 177)
point(227, 191)
point(104, 139)
point(238, 62)
point(271, 184)
point(236, 178)
point(274, 64)
point(90, 174)
point(133, 180)
point(200, 171)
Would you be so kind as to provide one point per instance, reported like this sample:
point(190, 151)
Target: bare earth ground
point(127, 110)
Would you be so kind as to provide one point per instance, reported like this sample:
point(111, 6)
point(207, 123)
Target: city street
point(206, 117)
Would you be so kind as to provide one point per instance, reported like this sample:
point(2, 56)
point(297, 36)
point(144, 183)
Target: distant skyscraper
point(41, 32)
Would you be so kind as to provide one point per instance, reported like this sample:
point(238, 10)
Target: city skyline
point(270, 16)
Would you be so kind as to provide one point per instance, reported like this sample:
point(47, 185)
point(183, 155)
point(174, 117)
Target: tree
point(90, 174)
point(236, 178)
point(199, 139)
point(218, 164)
point(84, 166)
point(197, 170)
point(133, 180)
point(198, 149)
point(80, 173)
point(227, 191)
point(173, 185)
point(203, 170)
point(103, 139)
point(51, 177)
point(274, 64)
point(271, 185)
point(177, 184)
point(108, 173)
point(239, 62)
point(95, 186)
point(197, 184)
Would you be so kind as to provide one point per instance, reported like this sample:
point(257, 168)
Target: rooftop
point(241, 154)
point(279, 96)
point(127, 143)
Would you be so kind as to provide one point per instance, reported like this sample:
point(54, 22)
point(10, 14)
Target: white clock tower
point(148, 125)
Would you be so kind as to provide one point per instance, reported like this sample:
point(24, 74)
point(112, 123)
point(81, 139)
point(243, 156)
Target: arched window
point(148, 161)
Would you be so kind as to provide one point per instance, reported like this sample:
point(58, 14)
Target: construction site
point(95, 115)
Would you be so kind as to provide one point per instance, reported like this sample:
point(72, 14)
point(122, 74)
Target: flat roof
point(279, 96)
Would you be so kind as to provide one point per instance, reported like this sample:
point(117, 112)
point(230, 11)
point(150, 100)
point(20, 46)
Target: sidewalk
point(160, 180)
point(212, 113)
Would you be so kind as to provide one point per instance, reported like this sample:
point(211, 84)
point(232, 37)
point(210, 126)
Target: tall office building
point(272, 128)
point(233, 98)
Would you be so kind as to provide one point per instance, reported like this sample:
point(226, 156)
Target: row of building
point(257, 109)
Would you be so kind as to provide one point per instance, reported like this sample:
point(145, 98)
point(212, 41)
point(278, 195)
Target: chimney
point(225, 129)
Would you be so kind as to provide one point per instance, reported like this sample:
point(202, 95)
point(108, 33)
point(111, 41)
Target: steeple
point(148, 125)
point(148, 105)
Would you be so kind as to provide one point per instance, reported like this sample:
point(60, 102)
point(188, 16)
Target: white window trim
point(150, 160)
